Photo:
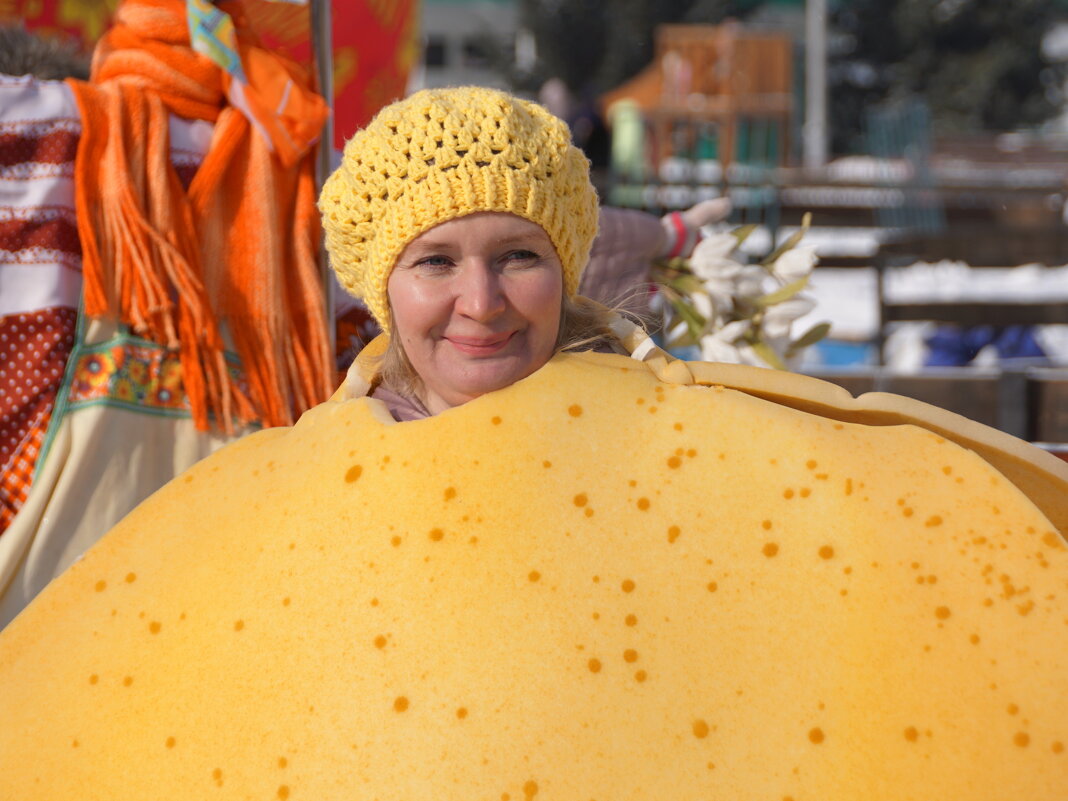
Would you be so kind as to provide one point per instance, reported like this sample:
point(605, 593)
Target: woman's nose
point(479, 294)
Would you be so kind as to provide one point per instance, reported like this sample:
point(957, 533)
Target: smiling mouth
point(476, 346)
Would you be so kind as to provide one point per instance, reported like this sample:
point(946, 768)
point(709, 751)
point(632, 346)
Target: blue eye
point(522, 256)
point(434, 263)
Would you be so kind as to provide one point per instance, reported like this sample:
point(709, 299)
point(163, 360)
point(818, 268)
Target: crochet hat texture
point(442, 154)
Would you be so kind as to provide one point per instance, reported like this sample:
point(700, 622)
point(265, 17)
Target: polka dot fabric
point(34, 348)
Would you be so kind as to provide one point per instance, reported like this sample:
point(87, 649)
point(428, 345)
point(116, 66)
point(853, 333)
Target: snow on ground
point(848, 299)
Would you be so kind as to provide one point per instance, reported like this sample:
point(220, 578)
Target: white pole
point(323, 50)
point(814, 132)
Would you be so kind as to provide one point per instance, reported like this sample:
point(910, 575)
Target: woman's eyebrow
point(519, 239)
point(425, 246)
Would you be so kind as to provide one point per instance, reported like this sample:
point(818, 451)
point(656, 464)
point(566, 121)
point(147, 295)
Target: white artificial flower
point(779, 318)
point(721, 291)
point(716, 350)
point(731, 331)
point(677, 331)
point(720, 346)
point(720, 244)
point(727, 299)
point(711, 259)
point(795, 264)
point(704, 305)
point(751, 282)
point(746, 355)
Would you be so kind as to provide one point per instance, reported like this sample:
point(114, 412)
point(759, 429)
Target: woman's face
point(476, 305)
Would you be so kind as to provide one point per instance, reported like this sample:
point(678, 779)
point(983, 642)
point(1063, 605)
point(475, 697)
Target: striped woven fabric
point(40, 270)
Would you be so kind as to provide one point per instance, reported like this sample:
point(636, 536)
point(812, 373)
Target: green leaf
point(782, 293)
point(791, 242)
point(665, 270)
point(810, 337)
point(694, 321)
point(687, 284)
point(679, 263)
point(742, 232)
point(685, 313)
point(768, 354)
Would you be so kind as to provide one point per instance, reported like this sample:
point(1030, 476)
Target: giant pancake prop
point(612, 580)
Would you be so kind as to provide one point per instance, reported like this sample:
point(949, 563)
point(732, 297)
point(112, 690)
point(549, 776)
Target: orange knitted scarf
point(237, 251)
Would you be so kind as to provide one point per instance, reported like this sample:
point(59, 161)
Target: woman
point(463, 219)
point(469, 611)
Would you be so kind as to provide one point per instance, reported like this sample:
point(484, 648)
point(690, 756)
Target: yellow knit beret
point(442, 154)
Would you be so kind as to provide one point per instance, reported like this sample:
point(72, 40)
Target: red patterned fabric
point(34, 348)
point(17, 476)
point(40, 270)
point(40, 254)
point(51, 231)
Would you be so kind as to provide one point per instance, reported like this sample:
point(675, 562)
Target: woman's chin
point(488, 375)
point(490, 383)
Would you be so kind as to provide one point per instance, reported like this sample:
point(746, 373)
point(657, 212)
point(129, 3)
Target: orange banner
point(282, 27)
point(376, 46)
point(80, 20)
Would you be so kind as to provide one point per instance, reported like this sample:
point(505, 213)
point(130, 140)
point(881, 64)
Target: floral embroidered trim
point(133, 373)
